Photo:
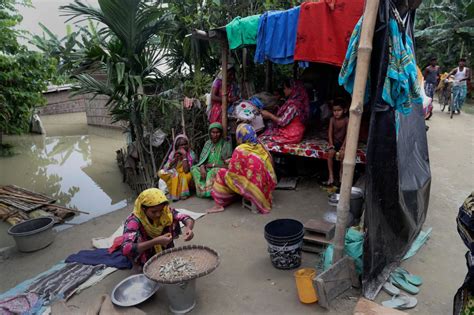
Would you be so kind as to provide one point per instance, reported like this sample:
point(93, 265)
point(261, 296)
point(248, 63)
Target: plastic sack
point(353, 247)
point(157, 138)
point(397, 169)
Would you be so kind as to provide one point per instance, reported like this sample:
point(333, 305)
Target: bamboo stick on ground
point(357, 106)
point(55, 206)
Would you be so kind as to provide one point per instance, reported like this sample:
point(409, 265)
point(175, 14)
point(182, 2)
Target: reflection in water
point(78, 170)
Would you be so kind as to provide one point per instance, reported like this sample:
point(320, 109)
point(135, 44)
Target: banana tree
point(445, 29)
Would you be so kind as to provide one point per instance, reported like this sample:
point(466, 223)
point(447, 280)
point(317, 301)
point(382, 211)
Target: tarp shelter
point(398, 172)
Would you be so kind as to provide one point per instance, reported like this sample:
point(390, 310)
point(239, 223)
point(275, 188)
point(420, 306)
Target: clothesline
point(313, 32)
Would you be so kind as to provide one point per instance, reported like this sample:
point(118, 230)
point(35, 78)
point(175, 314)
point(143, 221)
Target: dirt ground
point(246, 282)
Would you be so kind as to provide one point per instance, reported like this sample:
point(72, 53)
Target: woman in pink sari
point(288, 125)
point(215, 114)
point(250, 174)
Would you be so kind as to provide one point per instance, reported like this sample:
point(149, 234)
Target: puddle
point(74, 163)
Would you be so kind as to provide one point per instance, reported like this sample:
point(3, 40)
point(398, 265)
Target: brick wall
point(61, 103)
point(97, 113)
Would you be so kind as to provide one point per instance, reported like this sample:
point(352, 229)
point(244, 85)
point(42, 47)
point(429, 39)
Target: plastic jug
point(304, 283)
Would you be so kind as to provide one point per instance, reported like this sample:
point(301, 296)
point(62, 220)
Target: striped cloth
point(401, 89)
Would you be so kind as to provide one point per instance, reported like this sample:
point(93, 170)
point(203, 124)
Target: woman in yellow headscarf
point(250, 174)
point(151, 227)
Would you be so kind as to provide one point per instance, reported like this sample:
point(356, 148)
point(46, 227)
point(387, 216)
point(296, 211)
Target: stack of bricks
point(318, 235)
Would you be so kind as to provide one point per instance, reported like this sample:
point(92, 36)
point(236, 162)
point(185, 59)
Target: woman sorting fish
point(151, 227)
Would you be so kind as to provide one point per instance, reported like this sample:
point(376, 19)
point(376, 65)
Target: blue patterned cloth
point(401, 89)
point(246, 134)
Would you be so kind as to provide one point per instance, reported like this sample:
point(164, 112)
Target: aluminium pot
point(32, 235)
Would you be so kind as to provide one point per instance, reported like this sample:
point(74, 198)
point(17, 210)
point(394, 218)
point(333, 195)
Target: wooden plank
point(32, 193)
point(313, 248)
point(316, 238)
point(336, 280)
point(320, 226)
point(366, 307)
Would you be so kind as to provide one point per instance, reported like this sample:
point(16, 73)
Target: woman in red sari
point(288, 125)
point(250, 174)
point(215, 114)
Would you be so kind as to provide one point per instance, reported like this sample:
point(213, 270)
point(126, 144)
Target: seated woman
point(288, 125)
point(216, 150)
point(151, 227)
point(250, 174)
point(177, 170)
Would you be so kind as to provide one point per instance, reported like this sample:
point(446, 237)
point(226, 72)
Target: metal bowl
point(134, 290)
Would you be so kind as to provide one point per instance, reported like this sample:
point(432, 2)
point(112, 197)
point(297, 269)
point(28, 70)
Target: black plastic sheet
point(398, 172)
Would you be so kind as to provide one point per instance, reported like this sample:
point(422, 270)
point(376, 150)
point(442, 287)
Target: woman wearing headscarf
point(177, 170)
point(288, 125)
point(215, 114)
point(151, 227)
point(250, 174)
point(213, 156)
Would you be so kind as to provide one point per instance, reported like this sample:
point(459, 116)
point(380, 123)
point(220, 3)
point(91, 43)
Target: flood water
point(74, 163)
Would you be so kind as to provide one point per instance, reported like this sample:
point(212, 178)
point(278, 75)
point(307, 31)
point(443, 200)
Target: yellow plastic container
point(304, 283)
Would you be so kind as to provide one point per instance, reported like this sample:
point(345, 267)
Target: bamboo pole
point(224, 87)
point(244, 84)
point(357, 106)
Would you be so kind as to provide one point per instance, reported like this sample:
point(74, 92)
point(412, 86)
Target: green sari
point(212, 153)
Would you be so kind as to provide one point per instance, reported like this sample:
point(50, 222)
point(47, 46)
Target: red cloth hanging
point(325, 28)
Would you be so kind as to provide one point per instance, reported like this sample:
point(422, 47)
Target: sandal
point(401, 302)
point(413, 279)
point(390, 288)
point(400, 282)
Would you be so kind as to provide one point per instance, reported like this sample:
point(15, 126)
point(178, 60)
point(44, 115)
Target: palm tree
point(129, 46)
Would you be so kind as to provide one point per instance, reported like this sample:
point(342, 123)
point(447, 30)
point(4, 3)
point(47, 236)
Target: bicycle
point(451, 107)
point(444, 97)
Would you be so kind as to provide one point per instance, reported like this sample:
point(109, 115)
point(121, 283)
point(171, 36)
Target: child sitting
point(337, 136)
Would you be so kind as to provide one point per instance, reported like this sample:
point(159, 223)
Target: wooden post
point(224, 86)
point(357, 106)
point(268, 76)
point(244, 84)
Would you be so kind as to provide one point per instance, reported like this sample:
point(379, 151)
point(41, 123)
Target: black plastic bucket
point(285, 239)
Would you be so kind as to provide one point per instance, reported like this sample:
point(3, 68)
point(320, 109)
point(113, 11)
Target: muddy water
point(74, 163)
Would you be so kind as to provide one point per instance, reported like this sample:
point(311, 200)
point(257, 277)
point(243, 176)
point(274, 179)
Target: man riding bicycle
point(459, 91)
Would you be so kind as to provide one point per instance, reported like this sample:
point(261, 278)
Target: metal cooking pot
point(32, 235)
point(134, 290)
point(356, 202)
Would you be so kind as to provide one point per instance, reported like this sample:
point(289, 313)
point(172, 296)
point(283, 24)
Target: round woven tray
point(205, 261)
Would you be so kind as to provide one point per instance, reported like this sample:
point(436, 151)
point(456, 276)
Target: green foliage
point(6, 150)
point(126, 48)
point(445, 29)
point(23, 74)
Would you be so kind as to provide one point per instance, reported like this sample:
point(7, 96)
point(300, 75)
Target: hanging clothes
point(324, 30)
point(276, 37)
point(242, 31)
point(401, 88)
